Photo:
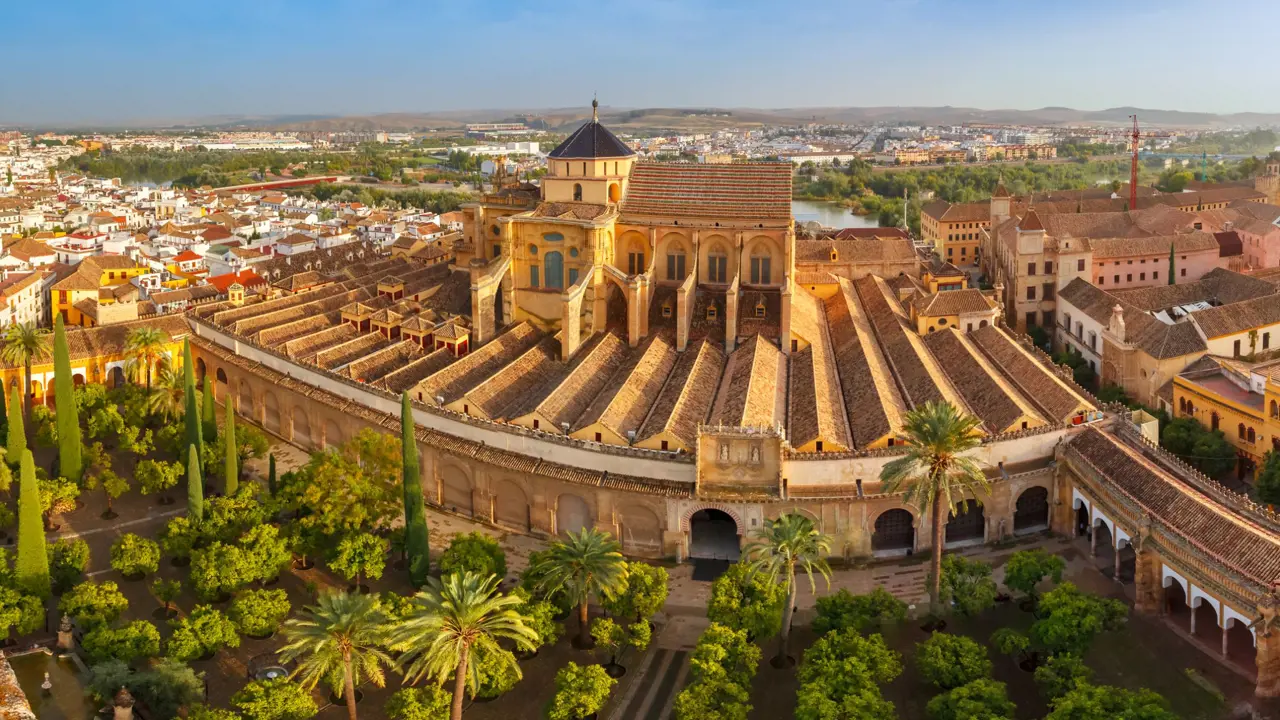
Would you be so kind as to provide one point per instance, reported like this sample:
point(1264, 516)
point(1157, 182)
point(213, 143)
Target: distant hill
point(709, 118)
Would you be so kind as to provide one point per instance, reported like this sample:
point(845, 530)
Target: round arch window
point(533, 249)
point(495, 230)
point(573, 252)
point(942, 321)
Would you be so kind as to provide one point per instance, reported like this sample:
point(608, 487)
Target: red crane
point(1136, 139)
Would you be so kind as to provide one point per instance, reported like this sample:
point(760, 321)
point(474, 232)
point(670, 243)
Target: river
point(830, 215)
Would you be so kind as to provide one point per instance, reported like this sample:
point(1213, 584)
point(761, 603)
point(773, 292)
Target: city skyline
point(164, 62)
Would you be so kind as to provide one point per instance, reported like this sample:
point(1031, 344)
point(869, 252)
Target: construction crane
point(1135, 139)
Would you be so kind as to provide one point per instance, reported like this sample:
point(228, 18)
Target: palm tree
point(454, 626)
point(168, 396)
point(935, 473)
point(340, 641)
point(586, 564)
point(24, 344)
point(780, 547)
point(145, 346)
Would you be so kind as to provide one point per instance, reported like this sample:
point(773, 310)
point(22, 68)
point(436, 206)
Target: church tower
point(592, 165)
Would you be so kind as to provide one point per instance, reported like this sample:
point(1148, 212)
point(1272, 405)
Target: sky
point(88, 61)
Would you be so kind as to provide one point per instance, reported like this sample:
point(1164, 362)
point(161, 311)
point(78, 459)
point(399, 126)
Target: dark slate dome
point(592, 140)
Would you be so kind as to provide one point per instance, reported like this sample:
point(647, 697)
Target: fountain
point(38, 672)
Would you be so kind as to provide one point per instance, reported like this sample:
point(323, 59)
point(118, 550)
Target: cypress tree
point(68, 417)
point(232, 467)
point(417, 541)
point(209, 415)
point(17, 435)
point(271, 474)
point(195, 486)
point(1171, 267)
point(192, 413)
point(4, 412)
point(32, 567)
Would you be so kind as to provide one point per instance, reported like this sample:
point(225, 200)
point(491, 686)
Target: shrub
point(984, 699)
point(647, 588)
point(258, 613)
point(426, 703)
point(166, 591)
point(844, 610)
point(1008, 641)
point(68, 559)
point(139, 639)
point(267, 552)
point(219, 570)
point(949, 661)
point(359, 556)
point(581, 691)
point(157, 476)
point(841, 674)
point(746, 600)
point(1089, 702)
point(1070, 619)
point(179, 537)
point(134, 556)
point(540, 617)
point(202, 633)
point(277, 699)
point(94, 604)
point(721, 668)
point(1026, 568)
point(474, 551)
point(498, 672)
point(1061, 674)
point(967, 585)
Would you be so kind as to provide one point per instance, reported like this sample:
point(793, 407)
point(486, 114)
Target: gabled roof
point(756, 190)
point(592, 140)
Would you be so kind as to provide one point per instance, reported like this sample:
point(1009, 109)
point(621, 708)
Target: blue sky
point(91, 61)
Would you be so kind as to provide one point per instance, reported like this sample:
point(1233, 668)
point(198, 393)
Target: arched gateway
point(713, 535)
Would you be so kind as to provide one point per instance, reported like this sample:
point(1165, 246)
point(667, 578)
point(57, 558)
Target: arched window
point(553, 262)
point(1274, 411)
point(615, 192)
point(1240, 431)
point(1252, 436)
point(982, 324)
point(761, 269)
point(577, 191)
point(717, 265)
point(676, 263)
point(1213, 421)
point(1182, 405)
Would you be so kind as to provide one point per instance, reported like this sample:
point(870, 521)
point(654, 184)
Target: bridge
point(1198, 554)
point(283, 184)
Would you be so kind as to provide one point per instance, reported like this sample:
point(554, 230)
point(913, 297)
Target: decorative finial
point(595, 109)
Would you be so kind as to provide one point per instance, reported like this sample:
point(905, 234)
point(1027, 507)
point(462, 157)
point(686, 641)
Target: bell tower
point(592, 165)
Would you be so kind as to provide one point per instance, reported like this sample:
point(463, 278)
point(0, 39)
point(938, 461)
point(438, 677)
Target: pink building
point(1128, 262)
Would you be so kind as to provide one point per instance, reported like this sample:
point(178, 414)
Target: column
point(1115, 556)
point(1148, 591)
point(1193, 617)
point(1093, 539)
point(1267, 657)
point(1224, 641)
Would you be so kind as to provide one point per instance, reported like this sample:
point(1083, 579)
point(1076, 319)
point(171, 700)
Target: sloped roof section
point(591, 141)
point(742, 191)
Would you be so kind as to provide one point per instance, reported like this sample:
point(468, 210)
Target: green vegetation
point(231, 468)
point(935, 474)
point(645, 594)
point(69, 444)
point(581, 691)
point(134, 556)
point(720, 670)
point(359, 556)
point(949, 661)
point(425, 703)
point(136, 641)
point(1026, 569)
point(1199, 446)
point(747, 601)
point(588, 564)
point(275, 699)
point(68, 559)
point(784, 544)
point(861, 613)
point(201, 634)
point(966, 586)
point(417, 539)
point(93, 603)
point(434, 200)
point(32, 570)
point(841, 677)
point(1254, 142)
point(983, 698)
point(473, 552)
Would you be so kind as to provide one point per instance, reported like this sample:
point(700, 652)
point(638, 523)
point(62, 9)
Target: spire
point(595, 110)
point(1000, 191)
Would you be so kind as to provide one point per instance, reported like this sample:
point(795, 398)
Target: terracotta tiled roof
point(1239, 317)
point(570, 398)
point(855, 250)
point(1229, 539)
point(626, 400)
point(1030, 222)
point(875, 404)
point(455, 380)
point(686, 398)
point(953, 302)
point(1055, 400)
point(753, 387)
point(1106, 248)
point(943, 211)
point(710, 190)
point(535, 372)
point(997, 403)
point(570, 210)
point(591, 140)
